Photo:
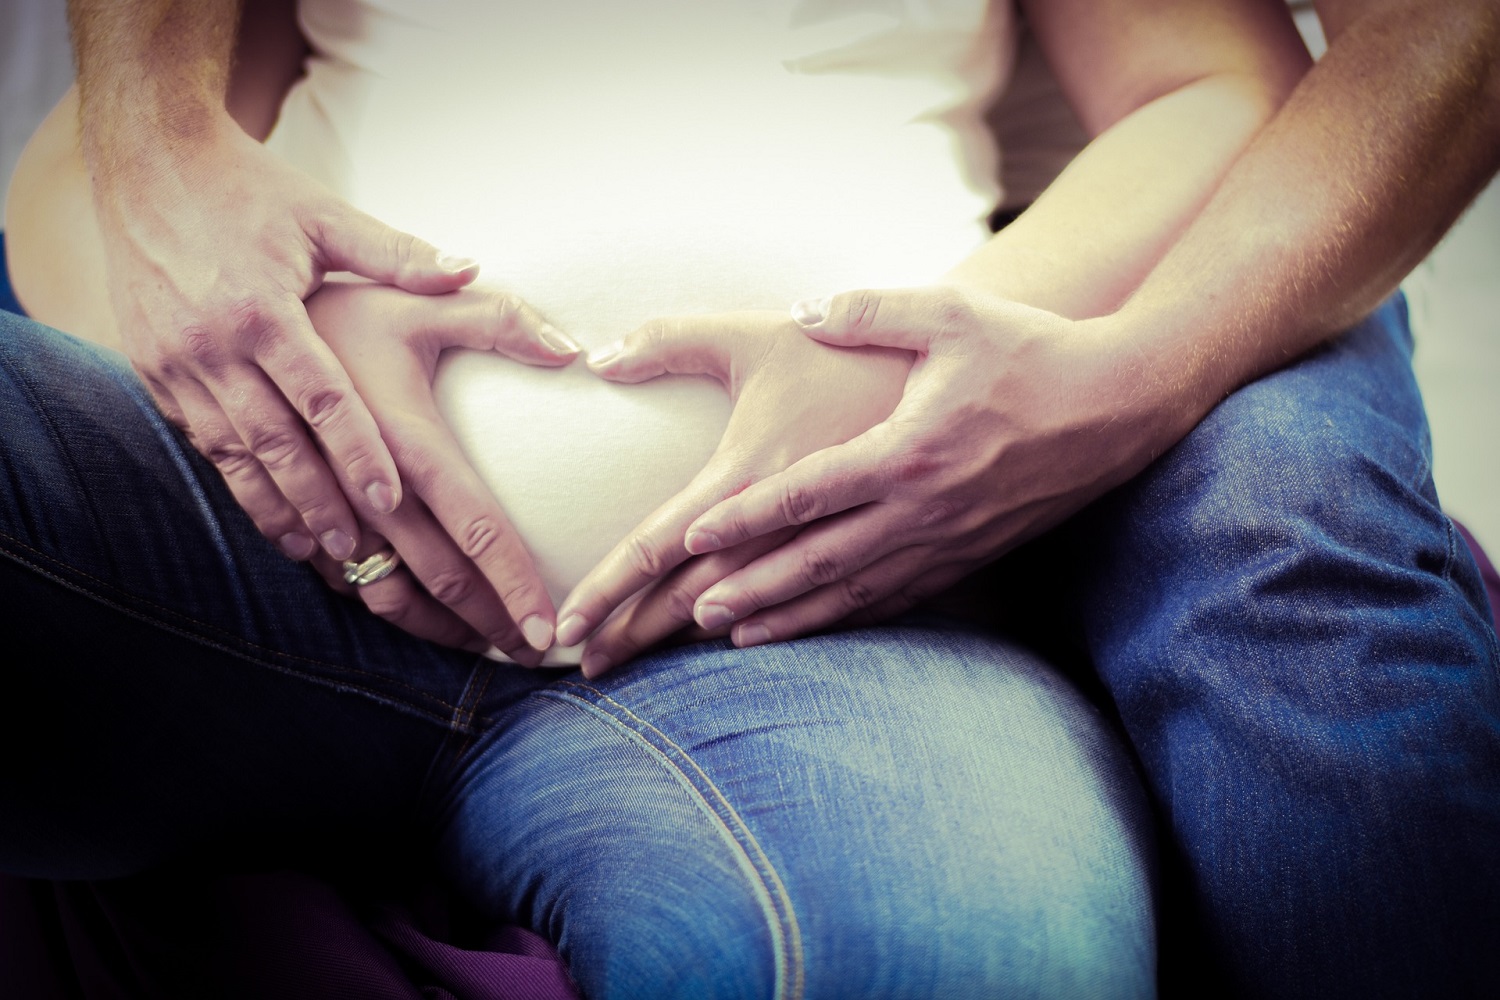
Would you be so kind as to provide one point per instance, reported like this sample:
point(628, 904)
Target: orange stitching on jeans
point(790, 972)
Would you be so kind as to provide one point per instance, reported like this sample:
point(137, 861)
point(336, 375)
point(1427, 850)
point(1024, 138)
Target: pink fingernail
point(606, 354)
point(811, 312)
point(711, 616)
point(572, 630)
point(538, 633)
point(699, 542)
point(558, 341)
point(754, 634)
point(382, 497)
point(338, 543)
point(455, 264)
point(297, 545)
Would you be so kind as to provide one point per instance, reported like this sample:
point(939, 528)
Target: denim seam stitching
point(790, 974)
point(229, 642)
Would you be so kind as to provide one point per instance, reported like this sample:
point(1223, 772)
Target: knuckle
point(860, 310)
point(451, 586)
point(854, 594)
point(936, 512)
point(324, 405)
point(479, 536)
point(401, 246)
point(275, 445)
point(230, 457)
point(800, 503)
point(912, 465)
point(954, 311)
point(644, 558)
point(678, 603)
point(252, 321)
point(198, 345)
point(821, 567)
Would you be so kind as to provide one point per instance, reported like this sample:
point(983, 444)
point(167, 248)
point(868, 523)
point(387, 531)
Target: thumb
point(906, 318)
point(687, 345)
point(363, 245)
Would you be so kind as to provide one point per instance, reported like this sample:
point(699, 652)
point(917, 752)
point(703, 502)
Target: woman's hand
point(791, 396)
point(477, 580)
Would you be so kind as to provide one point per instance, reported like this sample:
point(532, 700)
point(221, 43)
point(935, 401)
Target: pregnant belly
point(575, 461)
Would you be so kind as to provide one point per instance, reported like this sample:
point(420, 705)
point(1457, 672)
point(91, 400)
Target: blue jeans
point(919, 810)
point(1300, 651)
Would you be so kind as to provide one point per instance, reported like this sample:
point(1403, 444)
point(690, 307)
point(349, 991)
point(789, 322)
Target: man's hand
point(211, 249)
point(1012, 419)
point(791, 395)
point(210, 245)
point(467, 578)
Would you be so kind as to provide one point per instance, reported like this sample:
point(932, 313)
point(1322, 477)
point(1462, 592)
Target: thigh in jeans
point(169, 680)
point(896, 812)
point(1299, 647)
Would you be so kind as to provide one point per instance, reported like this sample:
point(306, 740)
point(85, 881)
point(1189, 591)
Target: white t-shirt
point(611, 163)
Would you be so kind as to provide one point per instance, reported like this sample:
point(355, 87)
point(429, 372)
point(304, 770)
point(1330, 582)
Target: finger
point(350, 240)
point(675, 345)
point(644, 556)
point(823, 554)
point(895, 584)
point(402, 602)
point(305, 371)
point(211, 436)
point(490, 320)
point(263, 424)
point(908, 318)
point(473, 520)
point(668, 607)
point(296, 529)
point(453, 580)
point(862, 470)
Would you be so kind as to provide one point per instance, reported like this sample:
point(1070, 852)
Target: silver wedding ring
point(377, 567)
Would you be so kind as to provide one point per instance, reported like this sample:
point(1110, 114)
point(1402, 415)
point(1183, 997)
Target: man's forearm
point(1376, 153)
point(151, 73)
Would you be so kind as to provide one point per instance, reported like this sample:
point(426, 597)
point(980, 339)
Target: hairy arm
point(1374, 156)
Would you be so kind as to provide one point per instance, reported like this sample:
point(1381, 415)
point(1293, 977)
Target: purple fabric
point(282, 934)
point(1486, 571)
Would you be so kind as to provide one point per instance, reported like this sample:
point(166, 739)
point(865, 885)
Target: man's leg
point(1298, 645)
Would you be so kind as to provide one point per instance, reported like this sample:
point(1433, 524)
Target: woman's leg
point(898, 812)
point(1298, 644)
point(169, 680)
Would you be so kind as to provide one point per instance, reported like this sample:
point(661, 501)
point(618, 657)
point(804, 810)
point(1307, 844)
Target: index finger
point(648, 553)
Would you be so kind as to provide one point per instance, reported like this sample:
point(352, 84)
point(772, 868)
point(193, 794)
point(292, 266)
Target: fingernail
point(558, 341)
point(754, 634)
point(594, 664)
point(382, 497)
point(297, 545)
point(572, 630)
point(495, 653)
point(537, 632)
point(338, 543)
point(811, 312)
point(713, 615)
point(606, 354)
point(699, 542)
point(455, 263)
